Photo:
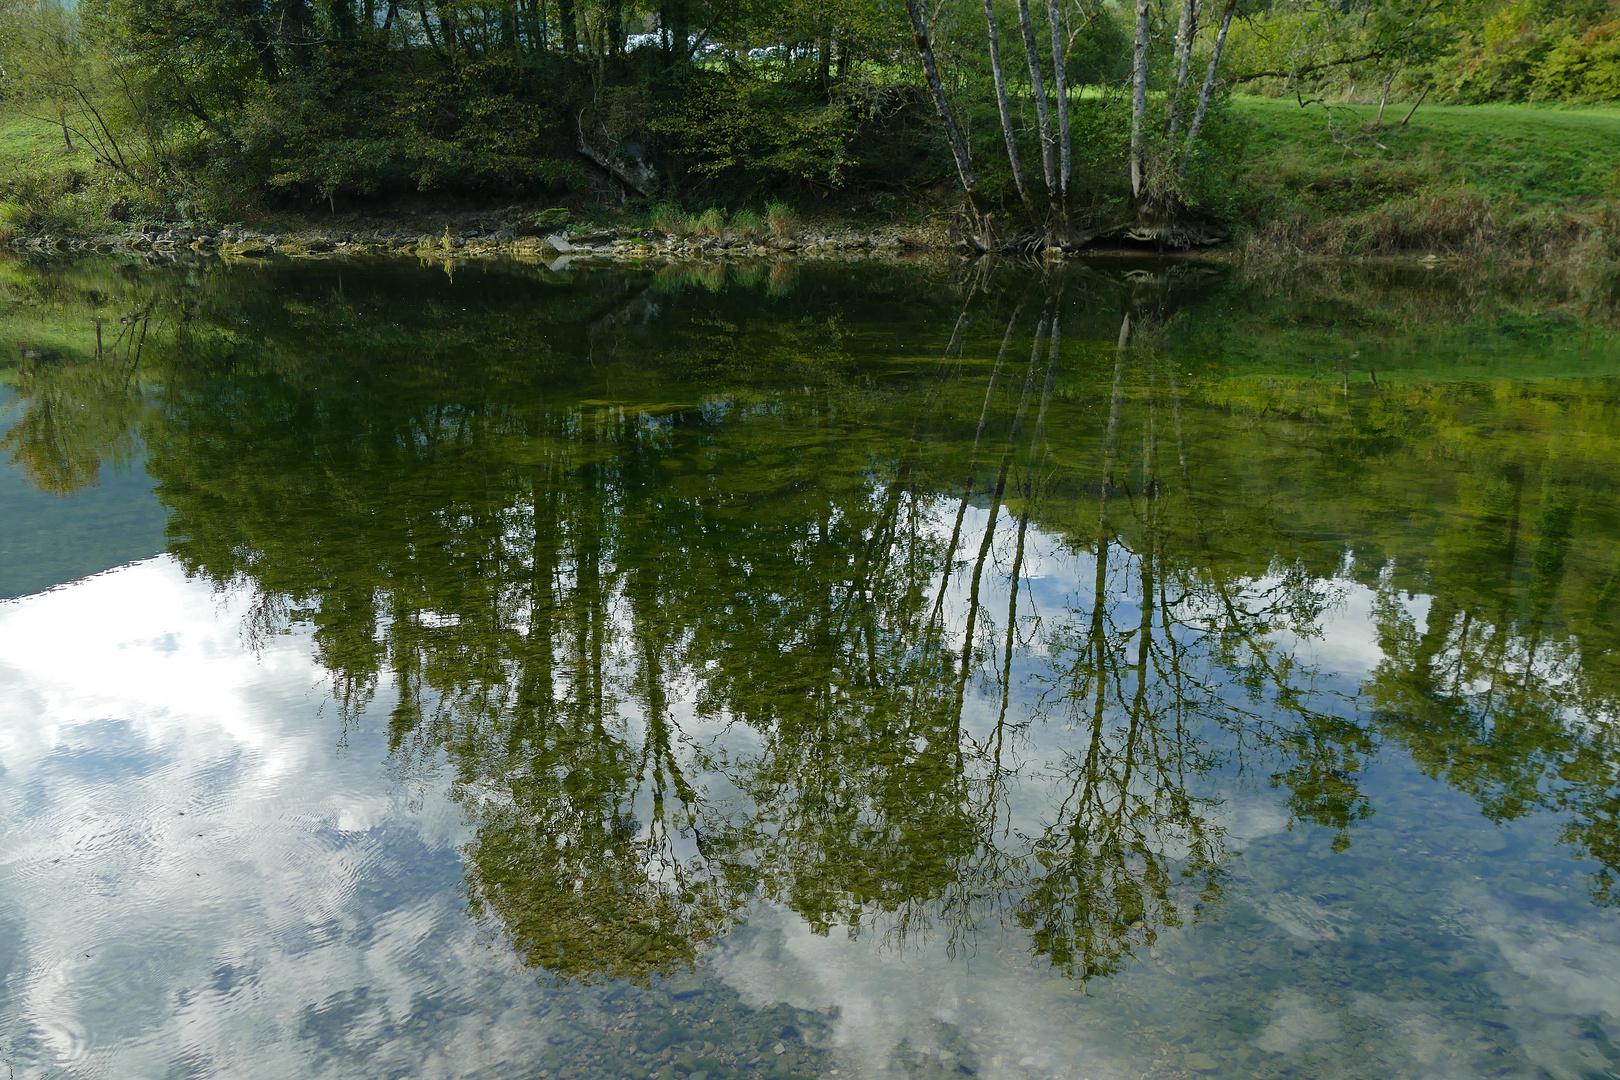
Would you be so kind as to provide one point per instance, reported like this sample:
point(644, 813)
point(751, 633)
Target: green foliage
point(227, 104)
point(1522, 54)
point(1099, 52)
point(1502, 63)
point(64, 198)
point(1583, 66)
point(330, 130)
point(763, 131)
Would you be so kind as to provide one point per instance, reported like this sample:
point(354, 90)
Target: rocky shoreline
point(557, 248)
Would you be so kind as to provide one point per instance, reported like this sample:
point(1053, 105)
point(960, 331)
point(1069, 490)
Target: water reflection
point(963, 618)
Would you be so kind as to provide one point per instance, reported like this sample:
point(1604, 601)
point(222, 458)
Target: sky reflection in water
point(685, 681)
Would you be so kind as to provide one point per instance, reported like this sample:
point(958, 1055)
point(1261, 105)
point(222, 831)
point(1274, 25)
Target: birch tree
point(1139, 74)
point(1002, 107)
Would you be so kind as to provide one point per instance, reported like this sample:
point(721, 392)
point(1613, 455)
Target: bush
point(783, 221)
point(763, 132)
point(543, 222)
point(669, 219)
point(337, 131)
point(42, 198)
point(712, 222)
point(1584, 66)
point(748, 225)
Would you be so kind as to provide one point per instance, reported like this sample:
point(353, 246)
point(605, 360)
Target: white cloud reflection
point(196, 881)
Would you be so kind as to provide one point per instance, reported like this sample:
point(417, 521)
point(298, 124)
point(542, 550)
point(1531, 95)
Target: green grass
point(1455, 179)
point(1538, 155)
point(25, 140)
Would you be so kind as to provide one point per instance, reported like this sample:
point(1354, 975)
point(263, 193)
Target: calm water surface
point(1119, 672)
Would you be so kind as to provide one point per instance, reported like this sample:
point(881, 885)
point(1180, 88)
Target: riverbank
point(1481, 183)
point(497, 235)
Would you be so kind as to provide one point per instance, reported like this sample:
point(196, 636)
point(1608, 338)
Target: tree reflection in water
point(706, 604)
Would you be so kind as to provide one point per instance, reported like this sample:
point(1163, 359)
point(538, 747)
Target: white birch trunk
point(1060, 85)
point(1208, 88)
point(1002, 106)
point(1037, 86)
point(925, 52)
point(1185, 32)
point(1138, 95)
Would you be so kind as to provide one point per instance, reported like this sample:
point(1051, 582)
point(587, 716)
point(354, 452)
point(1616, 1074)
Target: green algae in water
point(851, 671)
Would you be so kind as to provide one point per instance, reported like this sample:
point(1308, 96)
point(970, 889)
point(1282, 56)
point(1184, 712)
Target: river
point(1107, 672)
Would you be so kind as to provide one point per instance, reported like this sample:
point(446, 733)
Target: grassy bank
point(1455, 180)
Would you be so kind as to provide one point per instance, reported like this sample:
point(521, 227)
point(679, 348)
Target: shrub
point(782, 220)
point(763, 132)
point(543, 222)
point(669, 219)
point(712, 222)
point(66, 202)
point(14, 219)
point(1584, 66)
point(748, 225)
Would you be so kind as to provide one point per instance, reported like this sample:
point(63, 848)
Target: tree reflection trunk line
point(1097, 639)
point(1023, 525)
point(1144, 631)
point(881, 538)
point(140, 344)
point(967, 490)
point(1175, 406)
point(996, 496)
point(1035, 443)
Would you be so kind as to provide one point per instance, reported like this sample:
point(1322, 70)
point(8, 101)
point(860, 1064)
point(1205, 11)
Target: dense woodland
point(1058, 117)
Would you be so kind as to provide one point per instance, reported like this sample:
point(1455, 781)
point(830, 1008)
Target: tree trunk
point(427, 25)
point(508, 28)
point(1060, 84)
point(1208, 89)
point(1037, 86)
point(566, 12)
point(614, 46)
point(1410, 112)
point(340, 13)
point(925, 53)
point(1383, 99)
point(446, 15)
point(259, 41)
point(1185, 32)
point(1002, 106)
point(1138, 95)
